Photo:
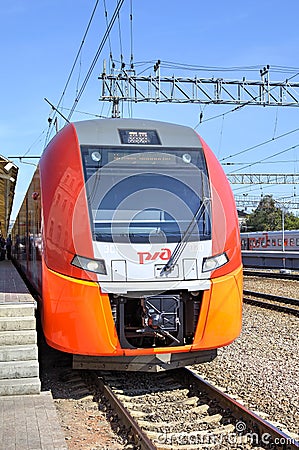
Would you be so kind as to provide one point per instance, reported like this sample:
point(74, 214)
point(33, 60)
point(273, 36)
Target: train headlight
point(187, 158)
point(92, 265)
point(214, 262)
point(96, 156)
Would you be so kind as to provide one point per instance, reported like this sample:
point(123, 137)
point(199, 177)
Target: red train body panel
point(129, 233)
point(224, 216)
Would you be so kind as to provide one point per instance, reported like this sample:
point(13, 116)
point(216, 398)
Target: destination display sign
point(139, 137)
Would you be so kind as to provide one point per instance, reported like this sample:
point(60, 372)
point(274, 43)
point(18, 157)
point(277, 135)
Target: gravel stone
point(261, 366)
point(285, 288)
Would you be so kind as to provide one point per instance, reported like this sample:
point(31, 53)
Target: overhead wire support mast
point(172, 89)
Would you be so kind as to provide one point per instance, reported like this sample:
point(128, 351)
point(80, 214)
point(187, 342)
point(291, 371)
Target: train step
point(17, 309)
point(22, 337)
point(18, 352)
point(17, 323)
point(21, 386)
point(18, 369)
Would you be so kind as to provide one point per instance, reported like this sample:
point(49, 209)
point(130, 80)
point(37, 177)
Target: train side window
point(279, 242)
point(263, 242)
point(297, 242)
point(51, 229)
point(66, 179)
point(57, 200)
point(292, 242)
point(244, 244)
point(59, 230)
point(274, 242)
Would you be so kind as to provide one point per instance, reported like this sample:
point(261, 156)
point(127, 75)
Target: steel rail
point(253, 428)
point(144, 443)
point(274, 298)
point(252, 420)
point(278, 275)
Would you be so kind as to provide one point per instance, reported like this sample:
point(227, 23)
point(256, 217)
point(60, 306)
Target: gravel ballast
point(261, 366)
point(285, 288)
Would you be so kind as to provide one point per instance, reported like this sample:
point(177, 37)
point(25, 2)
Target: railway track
point(267, 274)
point(179, 410)
point(270, 301)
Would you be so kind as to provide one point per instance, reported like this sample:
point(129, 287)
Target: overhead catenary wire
point(99, 51)
point(131, 35)
point(120, 42)
point(269, 162)
point(292, 71)
point(260, 144)
point(193, 67)
point(24, 156)
point(221, 135)
point(275, 123)
point(199, 68)
point(266, 158)
point(109, 40)
point(101, 116)
point(79, 73)
point(130, 104)
point(74, 65)
point(176, 65)
point(79, 52)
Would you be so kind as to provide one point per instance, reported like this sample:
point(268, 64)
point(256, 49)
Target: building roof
point(242, 214)
point(8, 178)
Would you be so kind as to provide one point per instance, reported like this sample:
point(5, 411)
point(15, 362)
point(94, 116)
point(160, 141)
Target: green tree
point(291, 222)
point(267, 216)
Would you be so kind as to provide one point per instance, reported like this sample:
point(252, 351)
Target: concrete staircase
point(19, 369)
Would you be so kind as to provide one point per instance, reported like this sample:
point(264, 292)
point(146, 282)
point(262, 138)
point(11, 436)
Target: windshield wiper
point(185, 238)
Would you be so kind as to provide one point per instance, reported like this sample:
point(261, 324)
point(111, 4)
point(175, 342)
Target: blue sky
point(40, 39)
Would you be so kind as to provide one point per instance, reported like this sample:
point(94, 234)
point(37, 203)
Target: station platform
point(30, 422)
point(28, 417)
point(12, 287)
point(270, 259)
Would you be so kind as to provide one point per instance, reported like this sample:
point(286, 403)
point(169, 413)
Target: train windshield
point(147, 196)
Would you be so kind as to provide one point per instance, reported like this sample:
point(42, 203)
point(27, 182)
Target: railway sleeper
point(151, 426)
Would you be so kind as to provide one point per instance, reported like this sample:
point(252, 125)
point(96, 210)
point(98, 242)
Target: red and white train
point(271, 240)
point(129, 234)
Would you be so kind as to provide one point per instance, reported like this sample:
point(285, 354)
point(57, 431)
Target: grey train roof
point(105, 132)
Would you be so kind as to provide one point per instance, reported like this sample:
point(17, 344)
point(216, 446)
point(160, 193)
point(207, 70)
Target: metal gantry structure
point(127, 86)
point(263, 178)
point(243, 201)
